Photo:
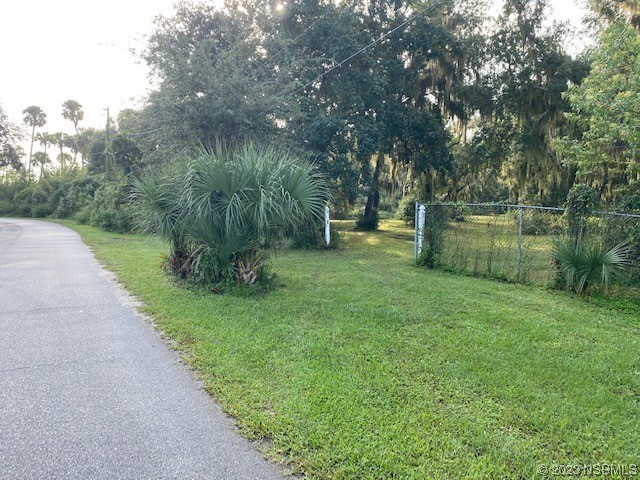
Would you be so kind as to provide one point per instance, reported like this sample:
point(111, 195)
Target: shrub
point(459, 212)
point(6, 208)
point(226, 209)
point(407, 209)
point(537, 223)
point(43, 199)
point(619, 229)
point(433, 244)
point(342, 210)
point(110, 209)
point(22, 201)
point(83, 216)
point(582, 200)
point(41, 210)
point(77, 194)
point(582, 265)
point(61, 195)
point(310, 235)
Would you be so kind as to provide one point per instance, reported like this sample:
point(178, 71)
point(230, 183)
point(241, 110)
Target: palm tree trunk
point(33, 135)
point(247, 267)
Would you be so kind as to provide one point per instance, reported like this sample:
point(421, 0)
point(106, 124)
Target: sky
point(53, 51)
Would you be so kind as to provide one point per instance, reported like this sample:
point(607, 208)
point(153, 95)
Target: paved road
point(87, 388)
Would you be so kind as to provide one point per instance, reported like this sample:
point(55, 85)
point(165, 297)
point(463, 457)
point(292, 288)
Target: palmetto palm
point(584, 264)
point(231, 206)
point(157, 199)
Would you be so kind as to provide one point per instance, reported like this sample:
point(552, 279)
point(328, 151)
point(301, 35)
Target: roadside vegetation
point(458, 103)
point(225, 209)
point(345, 372)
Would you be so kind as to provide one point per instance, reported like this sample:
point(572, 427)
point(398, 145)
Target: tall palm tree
point(72, 110)
point(34, 117)
point(44, 139)
point(41, 159)
point(60, 139)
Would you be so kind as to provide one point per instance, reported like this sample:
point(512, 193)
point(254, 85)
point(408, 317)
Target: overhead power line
point(292, 42)
point(422, 12)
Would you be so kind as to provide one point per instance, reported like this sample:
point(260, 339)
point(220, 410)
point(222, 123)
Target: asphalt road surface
point(88, 390)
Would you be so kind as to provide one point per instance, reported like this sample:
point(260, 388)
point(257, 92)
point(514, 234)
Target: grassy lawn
point(362, 366)
point(487, 245)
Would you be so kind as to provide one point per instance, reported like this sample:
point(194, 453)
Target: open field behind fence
point(515, 243)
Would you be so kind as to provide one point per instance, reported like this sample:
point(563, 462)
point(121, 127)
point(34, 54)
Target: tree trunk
point(247, 267)
point(394, 174)
point(33, 134)
point(430, 185)
point(369, 220)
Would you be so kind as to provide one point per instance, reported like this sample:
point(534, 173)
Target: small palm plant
point(585, 264)
point(159, 211)
point(227, 208)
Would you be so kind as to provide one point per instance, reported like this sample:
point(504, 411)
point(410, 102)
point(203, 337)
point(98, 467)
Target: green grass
point(487, 246)
point(362, 366)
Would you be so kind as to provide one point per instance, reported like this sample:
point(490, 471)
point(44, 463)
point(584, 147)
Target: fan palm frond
point(586, 264)
point(232, 204)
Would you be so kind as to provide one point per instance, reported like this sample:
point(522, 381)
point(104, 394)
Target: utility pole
point(107, 145)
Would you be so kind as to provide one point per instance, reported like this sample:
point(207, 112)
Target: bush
point(433, 244)
point(77, 195)
point(61, 195)
point(458, 213)
point(582, 200)
point(311, 236)
point(535, 222)
point(41, 210)
point(110, 209)
point(583, 265)
point(407, 209)
point(6, 208)
point(224, 210)
point(22, 201)
point(83, 216)
point(10, 186)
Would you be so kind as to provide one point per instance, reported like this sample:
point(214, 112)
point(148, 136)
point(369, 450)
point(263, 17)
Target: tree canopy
point(605, 146)
point(423, 98)
point(10, 150)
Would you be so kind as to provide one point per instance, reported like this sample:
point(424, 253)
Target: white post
point(520, 214)
point(327, 226)
point(415, 234)
point(422, 215)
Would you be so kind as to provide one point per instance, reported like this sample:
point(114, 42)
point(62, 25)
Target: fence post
point(415, 233)
point(520, 214)
point(327, 225)
point(421, 212)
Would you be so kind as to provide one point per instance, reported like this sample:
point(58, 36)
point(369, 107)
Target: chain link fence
point(513, 243)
